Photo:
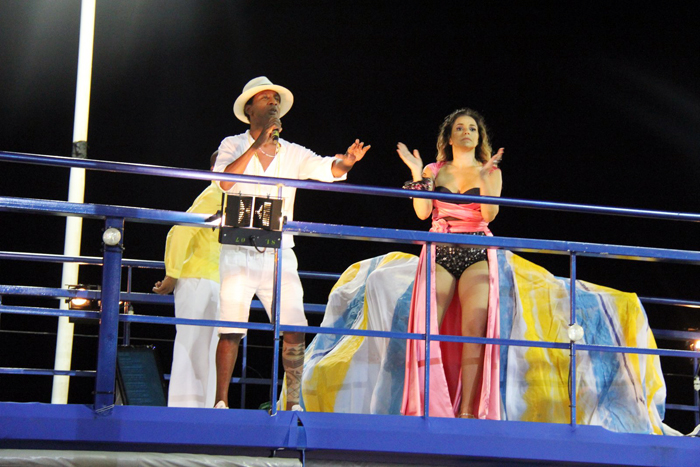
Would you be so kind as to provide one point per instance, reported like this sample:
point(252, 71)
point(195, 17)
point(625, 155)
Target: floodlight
point(251, 221)
point(83, 303)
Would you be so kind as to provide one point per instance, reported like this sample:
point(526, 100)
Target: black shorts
point(456, 259)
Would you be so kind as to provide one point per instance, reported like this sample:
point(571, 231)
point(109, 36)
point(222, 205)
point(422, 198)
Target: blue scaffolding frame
point(104, 426)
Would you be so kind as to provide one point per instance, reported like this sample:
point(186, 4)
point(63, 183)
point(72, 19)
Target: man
point(192, 274)
point(244, 270)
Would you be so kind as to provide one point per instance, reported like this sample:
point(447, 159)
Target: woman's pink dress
point(446, 357)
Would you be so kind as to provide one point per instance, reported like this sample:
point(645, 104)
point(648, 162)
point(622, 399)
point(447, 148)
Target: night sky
point(593, 103)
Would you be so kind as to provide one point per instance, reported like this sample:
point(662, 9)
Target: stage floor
point(133, 435)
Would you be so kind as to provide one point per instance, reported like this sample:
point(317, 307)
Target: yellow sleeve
point(180, 244)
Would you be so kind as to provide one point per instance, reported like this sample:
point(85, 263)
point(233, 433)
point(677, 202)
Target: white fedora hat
point(256, 85)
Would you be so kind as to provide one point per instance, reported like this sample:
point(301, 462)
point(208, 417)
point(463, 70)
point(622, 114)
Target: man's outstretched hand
point(356, 151)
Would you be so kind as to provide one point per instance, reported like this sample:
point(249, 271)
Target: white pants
point(246, 272)
point(193, 374)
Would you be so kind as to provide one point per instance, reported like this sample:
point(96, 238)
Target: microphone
point(275, 135)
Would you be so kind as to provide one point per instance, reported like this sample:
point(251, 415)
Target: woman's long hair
point(444, 150)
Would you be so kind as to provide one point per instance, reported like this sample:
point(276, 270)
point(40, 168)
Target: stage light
point(90, 304)
point(83, 303)
point(251, 221)
point(237, 210)
point(77, 303)
point(268, 214)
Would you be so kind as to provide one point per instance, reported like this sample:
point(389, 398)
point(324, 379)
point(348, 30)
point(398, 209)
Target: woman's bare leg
point(473, 289)
point(444, 289)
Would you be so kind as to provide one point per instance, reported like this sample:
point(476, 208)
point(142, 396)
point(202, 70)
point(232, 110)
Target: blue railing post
point(244, 368)
point(696, 396)
point(572, 343)
point(277, 290)
point(276, 324)
point(428, 296)
point(109, 318)
point(127, 307)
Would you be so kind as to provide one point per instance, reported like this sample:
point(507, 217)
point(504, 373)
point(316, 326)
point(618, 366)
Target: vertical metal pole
point(127, 308)
point(277, 290)
point(76, 194)
point(244, 369)
point(572, 344)
point(109, 321)
point(428, 283)
point(696, 395)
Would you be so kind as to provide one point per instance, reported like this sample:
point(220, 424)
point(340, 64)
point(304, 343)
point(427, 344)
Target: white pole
point(76, 194)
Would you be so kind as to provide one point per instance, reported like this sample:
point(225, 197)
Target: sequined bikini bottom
point(456, 259)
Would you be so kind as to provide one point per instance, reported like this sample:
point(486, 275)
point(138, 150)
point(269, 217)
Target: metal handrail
point(163, 171)
point(116, 216)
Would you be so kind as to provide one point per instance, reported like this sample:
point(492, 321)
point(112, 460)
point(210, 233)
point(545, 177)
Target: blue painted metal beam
point(685, 408)
point(137, 297)
point(671, 301)
point(681, 335)
point(99, 211)
point(109, 319)
point(83, 260)
point(38, 311)
point(161, 171)
point(51, 292)
point(676, 335)
point(360, 233)
point(419, 237)
point(134, 297)
point(126, 262)
point(336, 436)
point(43, 372)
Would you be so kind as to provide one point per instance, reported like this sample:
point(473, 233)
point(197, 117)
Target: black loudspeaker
point(139, 377)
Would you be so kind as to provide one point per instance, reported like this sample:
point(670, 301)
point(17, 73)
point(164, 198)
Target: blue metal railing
point(126, 298)
point(117, 216)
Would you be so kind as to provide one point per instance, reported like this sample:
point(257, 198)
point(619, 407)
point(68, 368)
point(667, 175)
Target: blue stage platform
point(339, 437)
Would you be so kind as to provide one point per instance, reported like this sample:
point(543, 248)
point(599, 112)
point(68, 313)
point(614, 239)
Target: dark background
point(594, 102)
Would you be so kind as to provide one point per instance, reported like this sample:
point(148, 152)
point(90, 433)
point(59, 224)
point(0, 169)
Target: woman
point(464, 297)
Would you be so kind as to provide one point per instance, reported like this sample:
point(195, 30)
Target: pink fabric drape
point(445, 357)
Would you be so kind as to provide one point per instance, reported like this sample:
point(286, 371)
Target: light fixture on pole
point(83, 303)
